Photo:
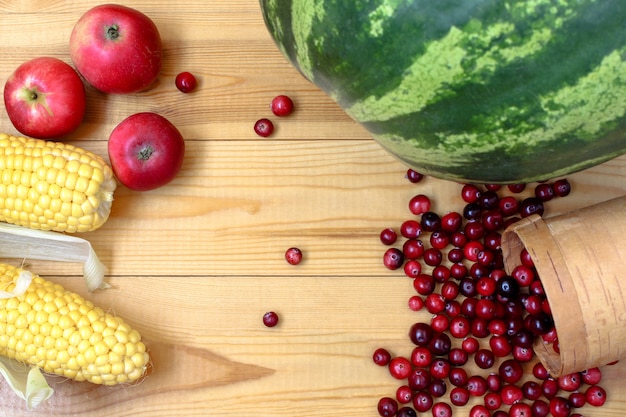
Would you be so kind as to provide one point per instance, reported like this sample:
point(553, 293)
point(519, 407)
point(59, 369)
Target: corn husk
point(18, 242)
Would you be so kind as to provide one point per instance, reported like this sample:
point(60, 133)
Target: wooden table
point(195, 264)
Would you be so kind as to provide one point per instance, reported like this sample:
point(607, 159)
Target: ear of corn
point(62, 333)
point(55, 186)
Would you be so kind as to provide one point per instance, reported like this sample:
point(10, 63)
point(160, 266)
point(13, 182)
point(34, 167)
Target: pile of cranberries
point(476, 350)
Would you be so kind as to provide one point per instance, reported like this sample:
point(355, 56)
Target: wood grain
point(194, 265)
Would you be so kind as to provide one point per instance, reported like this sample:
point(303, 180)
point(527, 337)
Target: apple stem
point(145, 153)
point(113, 32)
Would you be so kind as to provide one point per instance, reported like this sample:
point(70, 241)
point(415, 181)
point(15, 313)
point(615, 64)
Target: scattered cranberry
point(388, 236)
point(264, 127)
point(387, 407)
point(381, 357)
point(595, 396)
point(293, 256)
point(400, 367)
point(393, 258)
point(419, 204)
point(186, 82)
point(270, 319)
point(562, 187)
point(281, 105)
point(414, 176)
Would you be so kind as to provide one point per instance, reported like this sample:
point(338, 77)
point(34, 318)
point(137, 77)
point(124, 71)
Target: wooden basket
point(581, 260)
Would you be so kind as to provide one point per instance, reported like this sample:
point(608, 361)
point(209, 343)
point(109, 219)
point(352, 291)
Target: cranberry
point(561, 187)
point(484, 358)
point(432, 257)
point(416, 303)
point(549, 387)
point(437, 388)
point(440, 368)
point(523, 274)
point(440, 322)
point(413, 248)
point(492, 220)
point(458, 377)
point(471, 250)
point(393, 258)
point(399, 367)
point(488, 200)
point(458, 270)
point(494, 383)
point(480, 328)
point(523, 354)
point(264, 127)
point(560, 407)
point(470, 193)
point(592, 376)
point(500, 413)
point(531, 390)
point(430, 221)
point(540, 408)
point(458, 239)
point(293, 256)
point(419, 204)
point(544, 192)
point(500, 346)
point(492, 241)
point(410, 229)
point(388, 236)
point(539, 324)
point(451, 222)
point(421, 334)
point(508, 205)
point(531, 205)
point(510, 371)
point(412, 268)
point(424, 284)
point(521, 410)
point(474, 230)
point(457, 357)
point(570, 382)
point(493, 401)
point(516, 188)
point(414, 176)
point(485, 308)
point(449, 290)
point(404, 394)
point(472, 211)
point(381, 357)
point(577, 399)
point(459, 396)
point(459, 327)
point(467, 288)
point(540, 372)
point(507, 287)
point(595, 395)
point(439, 239)
point(441, 410)
point(419, 379)
point(477, 385)
point(470, 345)
point(525, 258)
point(511, 394)
point(453, 308)
point(422, 401)
point(421, 357)
point(270, 319)
point(186, 82)
point(281, 105)
point(479, 411)
point(387, 407)
point(440, 344)
point(406, 412)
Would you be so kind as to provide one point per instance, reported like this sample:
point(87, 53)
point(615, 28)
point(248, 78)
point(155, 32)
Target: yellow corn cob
point(62, 333)
point(53, 186)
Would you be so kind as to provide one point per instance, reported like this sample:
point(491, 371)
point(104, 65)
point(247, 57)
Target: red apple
point(117, 49)
point(45, 98)
point(146, 151)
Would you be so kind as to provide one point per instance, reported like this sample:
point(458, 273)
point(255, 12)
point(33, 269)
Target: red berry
point(459, 396)
point(281, 105)
point(560, 407)
point(270, 319)
point(416, 303)
point(264, 127)
point(399, 367)
point(393, 258)
point(387, 407)
point(381, 357)
point(421, 357)
point(414, 176)
point(479, 411)
point(186, 82)
point(388, 236)
point(592, 376)
point(441, 410)
point(595, 395)
point(419, 204)
point(520, 410)
point(404, 394)
point(293, 256)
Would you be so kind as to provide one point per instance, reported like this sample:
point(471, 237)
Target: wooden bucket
point(581, 260)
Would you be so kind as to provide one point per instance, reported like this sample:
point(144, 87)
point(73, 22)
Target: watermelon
point(491, 91)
